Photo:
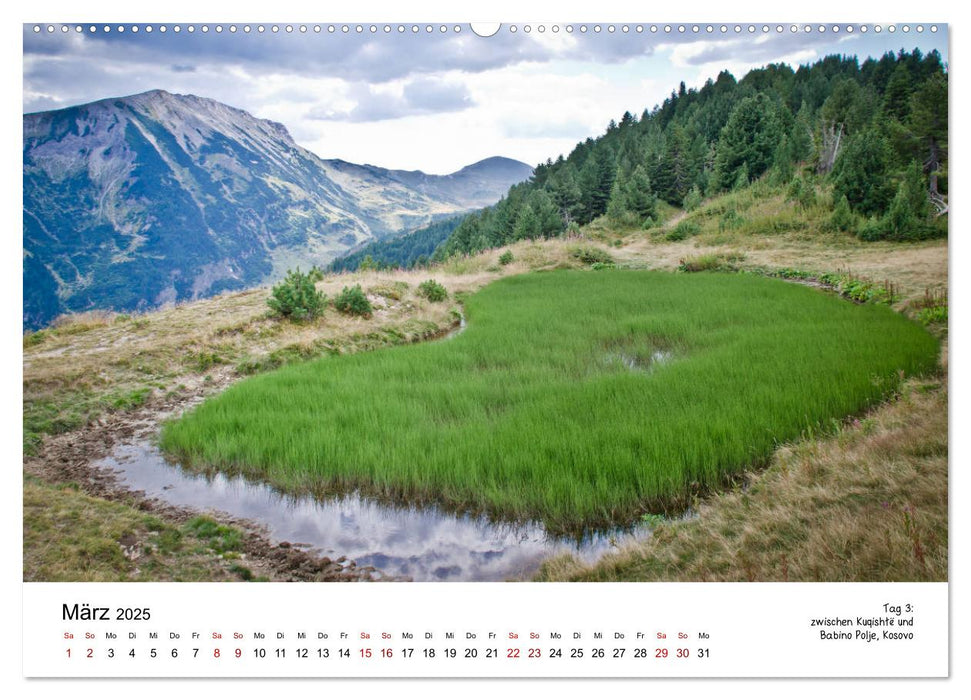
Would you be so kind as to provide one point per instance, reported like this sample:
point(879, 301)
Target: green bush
point(433, 291)
point(296, 296)
point(683, 230)
point(506, 258)
point(934, 314)
point(692, 200)
point(802, 191)
point(873, 230)
point(353, 301)
point(730, 221)
point(843, 218)
point(712, 262)
point(390, 290)
point(589, 255)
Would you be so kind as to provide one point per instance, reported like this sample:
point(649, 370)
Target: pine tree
point(914, 189)
point(928, 123)
point(901, 219)
point(749, 139)
point(692, 200)
point(741, 177)
point(896, 100)
point(596, 180)
point(617, 205)
point(566, 193)
point(549, 223)
point(842, 218)
point(527, 224)
point(783, 161)
point(641, 199)
point(861, 173)
point(801, 135)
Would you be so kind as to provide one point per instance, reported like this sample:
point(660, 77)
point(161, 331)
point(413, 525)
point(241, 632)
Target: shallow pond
point(422, 544)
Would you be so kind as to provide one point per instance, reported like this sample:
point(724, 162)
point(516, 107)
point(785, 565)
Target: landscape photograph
point(562, 302)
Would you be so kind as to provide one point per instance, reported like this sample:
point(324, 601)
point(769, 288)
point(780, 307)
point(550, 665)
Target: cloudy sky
point(430, 100)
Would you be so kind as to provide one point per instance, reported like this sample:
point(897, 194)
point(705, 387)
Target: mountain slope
point(412, 249)
point(134, 202)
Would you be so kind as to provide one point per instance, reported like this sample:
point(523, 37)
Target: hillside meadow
point(873, 482)
point(583, 399)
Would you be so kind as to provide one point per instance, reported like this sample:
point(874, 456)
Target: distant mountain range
point(134, 202)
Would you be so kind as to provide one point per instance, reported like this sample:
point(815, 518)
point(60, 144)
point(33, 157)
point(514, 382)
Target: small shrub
point(730, 221)
point(802, 191)
point(220, 538)
point(35, 338)
point(433, 291)
point(791, 273)
point(203, 360)
point(392, 290)
point(683, 230)
point(241, 571)
point(861, 289)
point(794, 191)
point(807, 199)
point(711, 262)
point(353, 301)
point(367, 264)
point(935, 314)
point(130, 399)
point(932, 308)
point(603, 266)
point(296, 297)
point(590, 255)
point(873, 230)
point(692, 200)
point(843, 218)
point(506, 258)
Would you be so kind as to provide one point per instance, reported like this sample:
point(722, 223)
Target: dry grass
point(912, 266)
point(70, 536)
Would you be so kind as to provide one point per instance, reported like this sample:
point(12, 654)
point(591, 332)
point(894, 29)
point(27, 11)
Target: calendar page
point(434, 349)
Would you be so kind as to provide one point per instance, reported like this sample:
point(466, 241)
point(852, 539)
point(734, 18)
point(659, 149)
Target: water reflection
point(423, 544)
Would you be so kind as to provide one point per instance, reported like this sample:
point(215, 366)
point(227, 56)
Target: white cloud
point(434, 103)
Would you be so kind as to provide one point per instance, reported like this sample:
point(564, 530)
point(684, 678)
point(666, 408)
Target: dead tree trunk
point(829, 148)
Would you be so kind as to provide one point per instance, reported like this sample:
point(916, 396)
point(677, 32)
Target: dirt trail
point(675, 220)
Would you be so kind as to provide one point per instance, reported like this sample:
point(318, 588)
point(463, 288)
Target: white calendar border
point(566, 11)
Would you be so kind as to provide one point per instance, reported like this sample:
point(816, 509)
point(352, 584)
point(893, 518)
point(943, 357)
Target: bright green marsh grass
point(582, 399)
